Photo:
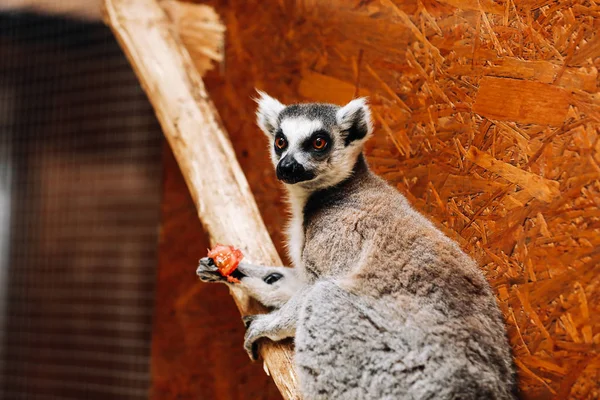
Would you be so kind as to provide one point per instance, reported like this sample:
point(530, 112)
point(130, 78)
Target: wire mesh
point(80, 183)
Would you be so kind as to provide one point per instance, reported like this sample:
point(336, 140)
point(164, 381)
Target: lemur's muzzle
point(291, 171)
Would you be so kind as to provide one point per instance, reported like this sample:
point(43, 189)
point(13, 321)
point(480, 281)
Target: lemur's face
point(314, 145)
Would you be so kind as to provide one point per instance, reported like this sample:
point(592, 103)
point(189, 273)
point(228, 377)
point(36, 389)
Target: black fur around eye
point(280, 142)
point(319, 142)
point(272, 278)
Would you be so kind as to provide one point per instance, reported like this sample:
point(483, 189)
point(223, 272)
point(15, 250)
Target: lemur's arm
point(270, 286)
point(277, 325)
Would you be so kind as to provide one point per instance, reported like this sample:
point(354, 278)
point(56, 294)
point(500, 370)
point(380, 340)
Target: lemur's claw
point(251, 347)
point(252, 336)
point(254, 352)
point(248, 320)
point(207, 271)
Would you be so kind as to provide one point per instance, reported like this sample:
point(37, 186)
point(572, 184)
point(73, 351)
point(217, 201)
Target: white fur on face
point(296, 130)
point(299, 128)
point(342, 160)
point(342, 157)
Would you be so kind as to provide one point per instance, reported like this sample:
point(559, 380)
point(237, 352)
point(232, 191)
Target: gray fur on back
point(397, 309)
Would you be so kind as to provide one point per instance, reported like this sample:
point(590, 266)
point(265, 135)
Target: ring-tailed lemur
point(380, 303)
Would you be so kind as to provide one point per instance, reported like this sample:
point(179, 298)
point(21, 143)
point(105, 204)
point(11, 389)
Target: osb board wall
point(197, 341)
point(487, 119)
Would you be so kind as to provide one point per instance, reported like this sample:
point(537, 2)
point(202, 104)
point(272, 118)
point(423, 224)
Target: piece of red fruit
point(227, 259)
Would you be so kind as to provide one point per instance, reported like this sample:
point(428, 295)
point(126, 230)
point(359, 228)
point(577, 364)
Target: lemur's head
point(315, 145)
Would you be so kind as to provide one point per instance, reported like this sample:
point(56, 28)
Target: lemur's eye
point(280, 143)
point(272, 278)
point(319, 143)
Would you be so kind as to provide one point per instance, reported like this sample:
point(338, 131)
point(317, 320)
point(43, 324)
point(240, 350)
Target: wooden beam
point(192, 126)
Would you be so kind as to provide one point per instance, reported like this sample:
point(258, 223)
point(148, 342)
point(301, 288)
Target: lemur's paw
point(207, 271)
point(254, 331)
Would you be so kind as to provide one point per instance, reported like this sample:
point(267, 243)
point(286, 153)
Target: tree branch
point(203, 151)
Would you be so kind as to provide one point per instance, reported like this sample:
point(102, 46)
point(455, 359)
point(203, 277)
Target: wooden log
point(193, 128)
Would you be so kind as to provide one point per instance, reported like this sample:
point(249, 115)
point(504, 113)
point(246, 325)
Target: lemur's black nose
point(291, 171)
point(288, 166)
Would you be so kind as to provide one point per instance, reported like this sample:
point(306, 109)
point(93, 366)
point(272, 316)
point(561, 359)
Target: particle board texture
point(487, 118)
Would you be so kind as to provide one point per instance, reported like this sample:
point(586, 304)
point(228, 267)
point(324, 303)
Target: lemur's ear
point(267, 112)
point(354, 120)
